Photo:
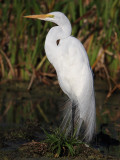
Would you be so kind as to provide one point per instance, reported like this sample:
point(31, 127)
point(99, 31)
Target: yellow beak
point(42, 16)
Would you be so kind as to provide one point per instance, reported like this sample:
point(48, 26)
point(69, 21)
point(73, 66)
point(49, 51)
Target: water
point(108, 120)
point(42, 103)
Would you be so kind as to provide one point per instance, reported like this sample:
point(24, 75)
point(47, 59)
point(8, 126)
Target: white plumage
point(70, 60)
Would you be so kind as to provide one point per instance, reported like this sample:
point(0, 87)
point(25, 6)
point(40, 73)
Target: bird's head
point(55, 17)
point(58, 18)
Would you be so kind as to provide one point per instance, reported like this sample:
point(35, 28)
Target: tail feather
point(90, 119)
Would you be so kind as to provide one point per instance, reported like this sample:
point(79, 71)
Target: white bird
point(70, 60)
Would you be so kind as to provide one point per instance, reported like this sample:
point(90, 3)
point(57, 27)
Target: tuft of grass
point(60, 145)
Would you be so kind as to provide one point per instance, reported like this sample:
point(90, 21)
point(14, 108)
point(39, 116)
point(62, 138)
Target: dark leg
point(73, 117)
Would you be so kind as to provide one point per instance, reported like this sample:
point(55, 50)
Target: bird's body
point(71, 66)
point(70, 60)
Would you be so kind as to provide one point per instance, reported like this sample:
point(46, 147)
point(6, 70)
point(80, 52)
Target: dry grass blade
point(117, 86)
point(48, 74)
point(31, 81)
point(9, 63)
point(108, 77)
point(88, 43)
point(2, 66)
point(42, 113)
point(110, 92)
point(6, 110)
point(41, 63)
point(101, 52)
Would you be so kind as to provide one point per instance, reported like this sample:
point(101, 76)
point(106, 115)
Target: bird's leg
point(73, 117)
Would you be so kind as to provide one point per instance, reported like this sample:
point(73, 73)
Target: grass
point(22, 52)
point(60, 145)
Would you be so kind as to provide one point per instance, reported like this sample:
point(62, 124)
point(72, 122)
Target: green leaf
point(70, 147)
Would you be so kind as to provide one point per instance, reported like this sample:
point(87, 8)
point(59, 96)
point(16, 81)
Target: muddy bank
point(24, 113)
point(28, 143)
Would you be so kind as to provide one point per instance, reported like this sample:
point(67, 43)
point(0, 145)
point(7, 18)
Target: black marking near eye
point(58, 41)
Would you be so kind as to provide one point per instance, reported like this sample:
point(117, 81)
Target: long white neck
point(56, 33)
point(59, 32)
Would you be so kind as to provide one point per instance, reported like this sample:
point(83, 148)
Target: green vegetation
point(61, 145)
point(94, 22)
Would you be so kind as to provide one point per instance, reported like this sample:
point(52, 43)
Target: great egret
point(69, 58)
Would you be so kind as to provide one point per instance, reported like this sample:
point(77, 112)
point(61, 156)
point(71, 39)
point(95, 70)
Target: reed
point(96, 24)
